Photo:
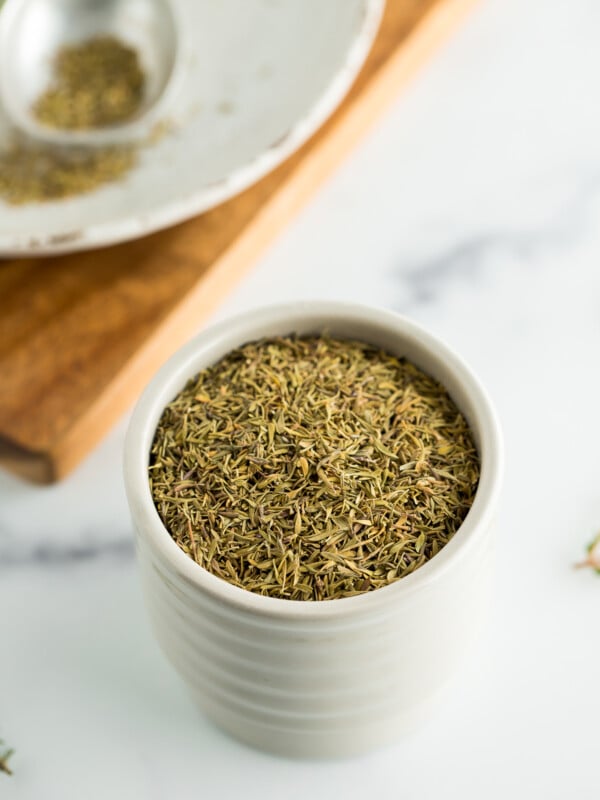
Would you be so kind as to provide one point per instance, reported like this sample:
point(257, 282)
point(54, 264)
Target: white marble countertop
point(474, 207)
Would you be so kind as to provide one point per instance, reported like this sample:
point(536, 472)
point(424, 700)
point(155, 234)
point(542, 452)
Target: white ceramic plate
point(258, 78)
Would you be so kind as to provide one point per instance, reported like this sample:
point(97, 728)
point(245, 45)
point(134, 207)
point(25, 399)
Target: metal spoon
point(32, 31)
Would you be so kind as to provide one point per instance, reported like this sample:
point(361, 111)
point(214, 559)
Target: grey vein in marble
point(426, 279)
point(45, 554)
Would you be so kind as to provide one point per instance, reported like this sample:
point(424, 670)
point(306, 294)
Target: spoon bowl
point(33, 31)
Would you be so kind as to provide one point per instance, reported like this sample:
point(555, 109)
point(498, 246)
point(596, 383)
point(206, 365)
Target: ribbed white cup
point(321, 678)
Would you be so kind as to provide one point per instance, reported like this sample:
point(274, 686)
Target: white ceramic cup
point(331, 677)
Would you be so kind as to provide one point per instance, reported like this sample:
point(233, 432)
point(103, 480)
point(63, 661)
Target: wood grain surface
point(81, 334)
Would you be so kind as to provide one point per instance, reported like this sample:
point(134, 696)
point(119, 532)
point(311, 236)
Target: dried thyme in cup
point(96, 83)
point(312, 468)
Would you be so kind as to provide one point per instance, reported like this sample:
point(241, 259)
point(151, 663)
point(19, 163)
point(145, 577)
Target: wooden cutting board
point(81, 334)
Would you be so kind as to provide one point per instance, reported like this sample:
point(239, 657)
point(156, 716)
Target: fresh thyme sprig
point(593, 555)
point(5, 755)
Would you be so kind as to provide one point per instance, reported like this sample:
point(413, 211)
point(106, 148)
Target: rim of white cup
point(231, 333)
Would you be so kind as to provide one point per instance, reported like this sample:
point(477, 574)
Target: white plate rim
point(137, 226)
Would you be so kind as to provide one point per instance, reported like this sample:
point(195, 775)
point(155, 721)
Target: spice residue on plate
point(312, 468)
point(95, 83)
point(35, 173)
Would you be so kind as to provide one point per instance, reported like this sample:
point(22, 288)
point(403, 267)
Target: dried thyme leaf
point(312, 468)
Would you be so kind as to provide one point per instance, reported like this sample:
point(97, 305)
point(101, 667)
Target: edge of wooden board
point(184, 319)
